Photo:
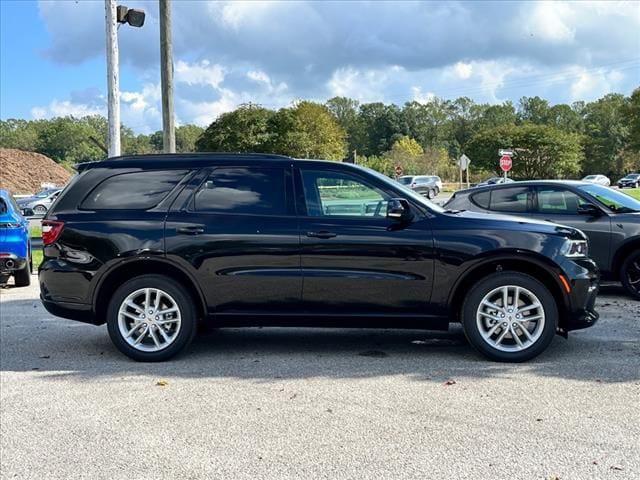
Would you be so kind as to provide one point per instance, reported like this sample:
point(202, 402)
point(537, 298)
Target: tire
point(431, 194)
point(154, 346)
point(630, 274)
point(39, 210)
point(477, 326)
point(22, 277)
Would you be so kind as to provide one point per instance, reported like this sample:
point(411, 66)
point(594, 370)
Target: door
point(238, 235)
point(560, 205)
point(355, 260)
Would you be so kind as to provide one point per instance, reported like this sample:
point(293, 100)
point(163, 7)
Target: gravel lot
point(296, 403)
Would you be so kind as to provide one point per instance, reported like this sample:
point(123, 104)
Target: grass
point(36, 256)
point(635, 193)
point(35, 231)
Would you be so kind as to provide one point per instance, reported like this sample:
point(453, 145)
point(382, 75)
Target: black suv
point(151, 245)
point(609, 218)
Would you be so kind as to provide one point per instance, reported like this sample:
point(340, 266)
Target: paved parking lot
point(296, 403)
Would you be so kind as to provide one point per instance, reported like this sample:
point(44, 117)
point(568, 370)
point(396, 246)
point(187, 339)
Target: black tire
point(184, 302)
point(630, 274)
point(497, 280)
point(39, 209)
point(22, 277)
point(431, 194)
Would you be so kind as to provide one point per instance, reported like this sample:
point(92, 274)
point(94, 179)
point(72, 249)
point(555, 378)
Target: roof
point(177, 159)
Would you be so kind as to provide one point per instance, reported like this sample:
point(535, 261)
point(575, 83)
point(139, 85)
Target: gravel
point(302, 403)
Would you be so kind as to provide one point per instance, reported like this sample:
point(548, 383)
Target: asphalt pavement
point(302, 403)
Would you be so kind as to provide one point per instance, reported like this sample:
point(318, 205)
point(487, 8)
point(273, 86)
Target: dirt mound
point(24, 172)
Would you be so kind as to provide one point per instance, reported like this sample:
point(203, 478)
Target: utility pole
point(166, 78)
point(113, 84)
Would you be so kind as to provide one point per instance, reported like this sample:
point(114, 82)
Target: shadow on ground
point(33, 340)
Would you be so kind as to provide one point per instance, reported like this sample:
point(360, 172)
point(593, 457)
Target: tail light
point(51, 231)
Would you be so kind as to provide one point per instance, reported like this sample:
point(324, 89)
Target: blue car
point(15, 247)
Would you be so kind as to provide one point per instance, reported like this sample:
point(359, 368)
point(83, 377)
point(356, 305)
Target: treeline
point(550, 141)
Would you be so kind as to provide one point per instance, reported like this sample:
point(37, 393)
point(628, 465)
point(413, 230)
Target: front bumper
point(584, 280)
point(10, 263)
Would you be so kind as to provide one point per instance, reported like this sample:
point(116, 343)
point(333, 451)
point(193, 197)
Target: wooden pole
point(113, 83)
point(166, 78)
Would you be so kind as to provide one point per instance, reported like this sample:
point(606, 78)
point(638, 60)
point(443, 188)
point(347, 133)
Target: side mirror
point(28, 212)
point(589, 209)
point(399, 209)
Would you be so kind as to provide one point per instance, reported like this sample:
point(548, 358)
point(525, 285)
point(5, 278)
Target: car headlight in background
point(575, 248)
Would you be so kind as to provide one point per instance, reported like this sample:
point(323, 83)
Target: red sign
point(506, 163)
point(398, 170)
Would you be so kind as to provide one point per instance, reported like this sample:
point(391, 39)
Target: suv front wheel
point(630, 274)
point(510, 317)
point(151, 318)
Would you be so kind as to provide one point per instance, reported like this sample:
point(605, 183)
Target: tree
point(541, 151)
point(632, 116)
point(534, 110)
point(345, 110)
point(186, 138)
point(381, 125)
point(307, 130)
point(245, 129)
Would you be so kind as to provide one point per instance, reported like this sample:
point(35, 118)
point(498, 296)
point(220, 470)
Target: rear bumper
point(73, 311)
point(10, 263)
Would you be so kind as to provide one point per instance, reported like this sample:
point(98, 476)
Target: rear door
point(238, 235)
point(559, 204)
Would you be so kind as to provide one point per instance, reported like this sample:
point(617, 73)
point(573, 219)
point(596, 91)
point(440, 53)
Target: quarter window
point(340, 194)
point(258, 191)
point(135, 191)
point(512, 200)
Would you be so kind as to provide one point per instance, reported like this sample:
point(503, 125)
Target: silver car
point(598, 180)
point(427, 185)
point(40, 202)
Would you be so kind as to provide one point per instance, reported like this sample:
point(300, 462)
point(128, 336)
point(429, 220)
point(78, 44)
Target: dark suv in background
point(609, 218)
point(151, 245)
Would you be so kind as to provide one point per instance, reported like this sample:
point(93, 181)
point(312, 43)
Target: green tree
point(534, 110)
point(186, 138)
point(246, 129)
point(345, 110)
point(632, 118)
point(541, 151)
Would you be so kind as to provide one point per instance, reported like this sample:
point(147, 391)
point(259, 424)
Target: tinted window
point(339, 194)
point(513, 200)
point(481, 199)
point(137, 191)
point(3, 206)
point(558, 200)
point(405, 180)
point(259, 191)
point(615, 200)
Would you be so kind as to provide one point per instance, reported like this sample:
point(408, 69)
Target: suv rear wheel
point(151, 318)
point(510, 317)
point(630, 274)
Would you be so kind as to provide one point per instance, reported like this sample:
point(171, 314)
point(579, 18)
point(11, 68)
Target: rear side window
point(258, 191)
point(133, 191)
point(512, 200)
point(482, 199)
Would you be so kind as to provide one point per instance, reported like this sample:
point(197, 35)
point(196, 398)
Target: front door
point(560, 205)
point(238, 235)
point(355, 260)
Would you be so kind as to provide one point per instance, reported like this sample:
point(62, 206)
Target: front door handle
point(321, 234)
point(191, 230)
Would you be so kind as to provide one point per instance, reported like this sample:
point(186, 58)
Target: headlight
point(575, 249)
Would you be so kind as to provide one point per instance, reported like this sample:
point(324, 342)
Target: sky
point(52, 54)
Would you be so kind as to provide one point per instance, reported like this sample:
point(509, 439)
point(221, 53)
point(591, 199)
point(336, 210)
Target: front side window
point(133, 191)
point(340, 194)
point(560, 201)
point(243, 190)
point(512, 200)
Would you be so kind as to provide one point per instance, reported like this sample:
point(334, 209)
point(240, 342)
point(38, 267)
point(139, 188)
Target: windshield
point(612, 199)
point(632, 176)
point(407, 191)
point(590, 177)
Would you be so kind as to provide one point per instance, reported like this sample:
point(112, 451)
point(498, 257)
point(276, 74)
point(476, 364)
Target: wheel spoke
point(505, 297)
point(525, 330)
point(154, 337)
point(142, 336)
point(135, 318)
point(529, 307)
point(133, 329)
point(502, 335)
point(491, 305)
point(164, 335)
point(516, 297)
point(492, 330)
point(147, 299)
point(514, 334)
point(489, 315)
point(130, 304)
point(167, 310)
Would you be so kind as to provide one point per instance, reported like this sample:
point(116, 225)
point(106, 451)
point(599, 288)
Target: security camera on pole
point(506, 163)
point(115, 15)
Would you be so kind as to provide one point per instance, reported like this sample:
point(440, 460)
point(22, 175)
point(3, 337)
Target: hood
point(510, 222)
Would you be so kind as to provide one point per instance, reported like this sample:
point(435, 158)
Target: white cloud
point(202, 73)
point(551, 21)
point(589, 85)
point(65, 108)
point(463, 70)
point(421, 97)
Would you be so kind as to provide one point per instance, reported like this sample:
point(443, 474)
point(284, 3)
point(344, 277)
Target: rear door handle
point(191, 230)
point(321, 234)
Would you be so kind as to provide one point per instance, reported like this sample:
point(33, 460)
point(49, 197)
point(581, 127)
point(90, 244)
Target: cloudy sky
point(272, 53)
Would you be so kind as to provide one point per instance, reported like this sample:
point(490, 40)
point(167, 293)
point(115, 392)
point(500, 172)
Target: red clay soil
point(24, 172)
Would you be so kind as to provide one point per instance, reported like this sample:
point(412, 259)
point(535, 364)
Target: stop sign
point(506, 163)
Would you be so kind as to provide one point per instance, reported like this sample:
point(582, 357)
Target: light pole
point(113, 16)
point(166, 78)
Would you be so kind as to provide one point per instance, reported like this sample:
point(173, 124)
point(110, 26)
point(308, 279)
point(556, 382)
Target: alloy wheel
point(149, 319)
point(633, 274)
point(510, 318)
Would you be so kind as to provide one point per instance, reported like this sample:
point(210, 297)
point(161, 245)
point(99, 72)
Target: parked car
point(41, 201)
point(427, 185)
point(598, 179)
point(630, 181)
point(15, 247)
point(149, 245)
point(611, 219)
point(495, 181)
